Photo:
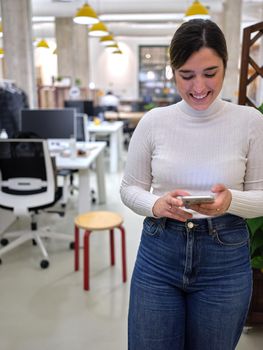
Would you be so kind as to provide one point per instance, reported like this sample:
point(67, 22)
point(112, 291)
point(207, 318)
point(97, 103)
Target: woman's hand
point(170, 205)
point(219, 206)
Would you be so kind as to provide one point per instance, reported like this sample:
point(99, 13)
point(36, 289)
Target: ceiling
point(252, 12)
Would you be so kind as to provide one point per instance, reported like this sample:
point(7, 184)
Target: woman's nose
point(199, 84)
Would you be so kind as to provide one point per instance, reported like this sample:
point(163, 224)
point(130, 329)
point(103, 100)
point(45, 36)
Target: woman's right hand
point(170, 206)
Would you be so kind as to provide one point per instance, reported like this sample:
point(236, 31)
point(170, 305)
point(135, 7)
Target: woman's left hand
point(221, 204)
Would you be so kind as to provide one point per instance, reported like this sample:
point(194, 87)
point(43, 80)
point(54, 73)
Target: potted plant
point(255, 226)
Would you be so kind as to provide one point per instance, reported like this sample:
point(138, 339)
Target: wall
point(119, 72)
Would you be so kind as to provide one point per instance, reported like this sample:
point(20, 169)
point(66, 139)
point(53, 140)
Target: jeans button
point(190, 224)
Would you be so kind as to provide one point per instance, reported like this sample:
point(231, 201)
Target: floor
point(48, 309)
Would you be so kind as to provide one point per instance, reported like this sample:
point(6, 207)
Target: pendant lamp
point(1, 30)
point(196, 10)
point(113, 47)
point(42, 43)
point(86, 15)
point(1, 52)
point(118, 52)
point(107, 40)
point(98, 29)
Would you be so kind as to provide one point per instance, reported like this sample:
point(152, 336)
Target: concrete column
point(231, 29)
point(72, 50)
point(18, 47)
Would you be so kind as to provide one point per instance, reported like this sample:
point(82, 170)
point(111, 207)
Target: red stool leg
point(123, 252)
point(76, 248)
point(112, 248)
point(86, 260)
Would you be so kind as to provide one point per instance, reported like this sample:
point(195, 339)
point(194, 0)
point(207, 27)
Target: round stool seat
point(98, 220)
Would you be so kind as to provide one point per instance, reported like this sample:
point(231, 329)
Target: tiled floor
point(48, 309)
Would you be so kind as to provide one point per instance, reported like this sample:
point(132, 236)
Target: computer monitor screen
point(81, 127)
point(82, 106)
point(49, 123)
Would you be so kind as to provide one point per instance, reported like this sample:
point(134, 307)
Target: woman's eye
point(188, 77)
point(210, 75)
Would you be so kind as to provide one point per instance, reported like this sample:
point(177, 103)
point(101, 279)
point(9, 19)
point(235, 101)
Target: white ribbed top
point(177, 147)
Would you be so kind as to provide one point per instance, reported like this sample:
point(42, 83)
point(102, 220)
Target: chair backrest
point(27, 178)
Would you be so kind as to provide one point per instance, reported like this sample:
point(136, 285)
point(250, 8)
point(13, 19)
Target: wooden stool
point(98, 221)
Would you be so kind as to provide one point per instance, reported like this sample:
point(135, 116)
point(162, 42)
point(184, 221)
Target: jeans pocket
point(152, 227)
point(232, 237)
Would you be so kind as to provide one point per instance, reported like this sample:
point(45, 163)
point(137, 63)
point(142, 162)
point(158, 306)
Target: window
point(155, 75)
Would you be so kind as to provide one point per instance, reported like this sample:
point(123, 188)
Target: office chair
point(27, 186)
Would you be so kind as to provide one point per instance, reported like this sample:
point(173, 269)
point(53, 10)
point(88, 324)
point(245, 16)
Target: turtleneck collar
point(215, 107)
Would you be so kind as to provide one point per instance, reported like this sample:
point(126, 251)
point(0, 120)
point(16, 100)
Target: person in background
point(110, 102)
point(192, 280)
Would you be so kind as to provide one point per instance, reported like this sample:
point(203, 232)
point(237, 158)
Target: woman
point(191, 284)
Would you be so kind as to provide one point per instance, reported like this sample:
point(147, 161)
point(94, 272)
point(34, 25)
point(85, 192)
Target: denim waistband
point(208, 224)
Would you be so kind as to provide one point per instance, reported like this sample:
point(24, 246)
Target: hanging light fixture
point(1, 52)
point(113, 47)
point(98, 29)
point(196, 10)
point(86, 15)
point(118, 52)
point(42, 43)
point(107, 40)
point(1, 30)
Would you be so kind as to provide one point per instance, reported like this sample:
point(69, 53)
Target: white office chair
point(28, 185)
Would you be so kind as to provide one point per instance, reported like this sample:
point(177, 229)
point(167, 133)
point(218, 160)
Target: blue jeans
point(191, 285)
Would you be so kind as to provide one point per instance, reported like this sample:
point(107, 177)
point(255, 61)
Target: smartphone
point(199, 199)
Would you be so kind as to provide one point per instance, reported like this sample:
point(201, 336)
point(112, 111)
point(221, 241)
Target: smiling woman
point(195, 263)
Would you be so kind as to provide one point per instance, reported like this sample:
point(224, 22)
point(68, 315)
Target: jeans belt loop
point(210, 226)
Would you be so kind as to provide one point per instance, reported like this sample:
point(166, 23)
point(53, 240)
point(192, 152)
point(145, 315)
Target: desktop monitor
point(81, 127)
point(82, 106)
point(49, 123)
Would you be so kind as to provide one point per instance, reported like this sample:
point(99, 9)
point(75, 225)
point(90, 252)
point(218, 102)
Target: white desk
point(83, 163)
point(114, 129)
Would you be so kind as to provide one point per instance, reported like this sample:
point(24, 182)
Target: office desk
point(133, 117)
point(83, 163)
point(114, 129)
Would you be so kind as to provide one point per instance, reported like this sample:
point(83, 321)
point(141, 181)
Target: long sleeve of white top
point(176, 147)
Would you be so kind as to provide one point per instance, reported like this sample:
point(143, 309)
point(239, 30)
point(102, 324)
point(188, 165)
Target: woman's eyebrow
point(191, 71)
point(211, 68)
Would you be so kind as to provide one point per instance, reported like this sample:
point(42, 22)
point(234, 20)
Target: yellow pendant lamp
point(196, 10)
point(113, 47)
point(98, 29)
point(86, 15)
point(1, 30)
point(42, 43)
point(1, 52)
point(107, 40)
point(118, 52)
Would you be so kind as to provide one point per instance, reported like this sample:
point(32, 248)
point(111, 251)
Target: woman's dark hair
point(191, 36)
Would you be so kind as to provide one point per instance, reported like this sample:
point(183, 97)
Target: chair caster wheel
point(4, 241)
point(44, 264)
point(71, 245)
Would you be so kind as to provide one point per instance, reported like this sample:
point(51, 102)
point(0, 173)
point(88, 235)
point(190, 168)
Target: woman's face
point(199, 80)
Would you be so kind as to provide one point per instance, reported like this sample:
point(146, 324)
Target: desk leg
point(120, 145)
point(100, 174)
point(114, 152)
point(84, 199)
